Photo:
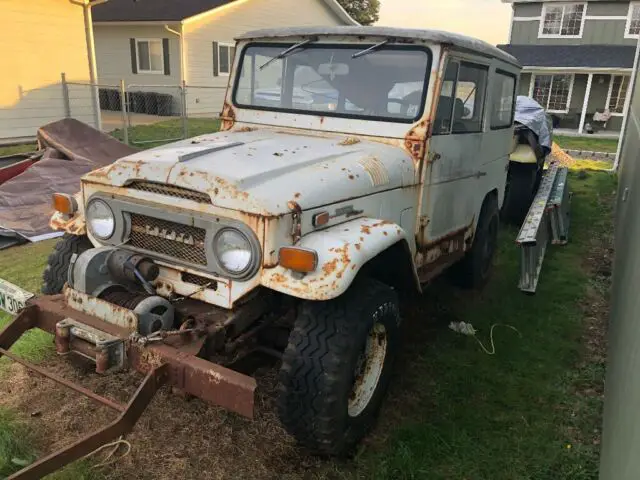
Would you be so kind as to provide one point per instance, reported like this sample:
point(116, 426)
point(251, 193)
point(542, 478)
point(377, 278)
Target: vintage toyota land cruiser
point(352, 162)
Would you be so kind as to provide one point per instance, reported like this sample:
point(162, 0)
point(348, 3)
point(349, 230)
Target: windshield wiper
point(371, 49)
point(289, 51)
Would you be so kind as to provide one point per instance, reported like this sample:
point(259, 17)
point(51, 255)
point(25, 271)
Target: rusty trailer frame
point(173, 362)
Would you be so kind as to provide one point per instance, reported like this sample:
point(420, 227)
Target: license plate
point(12, 297)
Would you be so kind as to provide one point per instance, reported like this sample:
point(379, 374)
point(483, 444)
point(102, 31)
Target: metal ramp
point(546, 223)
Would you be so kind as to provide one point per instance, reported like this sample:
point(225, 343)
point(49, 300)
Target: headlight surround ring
point(234, 252)
point(101, 220)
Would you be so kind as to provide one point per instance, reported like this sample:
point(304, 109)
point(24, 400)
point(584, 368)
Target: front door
point(452, 196)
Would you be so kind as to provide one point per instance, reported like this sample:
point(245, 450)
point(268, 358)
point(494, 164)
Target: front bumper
point(196, 376)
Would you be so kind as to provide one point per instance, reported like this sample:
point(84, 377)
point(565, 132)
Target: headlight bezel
point(250, 248)
point(90, 226)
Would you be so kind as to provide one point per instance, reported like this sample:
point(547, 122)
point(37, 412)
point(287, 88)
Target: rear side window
point(468, 109)
point(504, 96)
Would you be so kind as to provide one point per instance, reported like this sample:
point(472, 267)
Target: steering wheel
point(409, 101)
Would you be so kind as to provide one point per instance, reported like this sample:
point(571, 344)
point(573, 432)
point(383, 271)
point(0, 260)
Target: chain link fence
point(145, 115)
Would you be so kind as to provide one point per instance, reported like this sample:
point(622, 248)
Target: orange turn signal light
point(298, 259)
point(64, 203)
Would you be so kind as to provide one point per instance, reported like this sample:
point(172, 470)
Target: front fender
point(342, 251)
point(75, 224)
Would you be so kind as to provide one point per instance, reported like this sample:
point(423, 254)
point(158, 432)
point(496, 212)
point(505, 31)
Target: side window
point(444, 115)
point(470, 97)
point(504, 96)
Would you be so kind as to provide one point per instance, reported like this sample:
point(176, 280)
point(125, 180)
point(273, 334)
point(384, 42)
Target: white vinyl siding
point(113, 55)
point(39, 40)
point(564, 20)
point(553, 92)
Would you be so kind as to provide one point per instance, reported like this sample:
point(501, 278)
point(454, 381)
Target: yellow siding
point(223, 26)
point(40, 39)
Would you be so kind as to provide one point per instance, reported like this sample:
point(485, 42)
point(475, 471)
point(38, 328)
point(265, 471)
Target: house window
point(618, 93)
point(150, 56)
point(633, 20)
point(503, 103)
point(564, 20)
point(226, 52)
point(553, 92)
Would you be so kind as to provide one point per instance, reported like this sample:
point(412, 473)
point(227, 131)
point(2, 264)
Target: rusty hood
point(261, 171)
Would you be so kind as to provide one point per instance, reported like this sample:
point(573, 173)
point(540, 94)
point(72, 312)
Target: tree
point(365, 12)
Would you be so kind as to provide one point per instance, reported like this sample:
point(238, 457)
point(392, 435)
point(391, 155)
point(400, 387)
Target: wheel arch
point(346, 251)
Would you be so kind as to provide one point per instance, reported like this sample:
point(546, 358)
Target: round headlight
point(233, 251)
point(100, 219)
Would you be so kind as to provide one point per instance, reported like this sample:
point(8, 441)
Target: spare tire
point(55, 274)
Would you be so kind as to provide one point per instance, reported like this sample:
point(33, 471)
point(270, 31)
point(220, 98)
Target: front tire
point(337, 367)
point(56, 272)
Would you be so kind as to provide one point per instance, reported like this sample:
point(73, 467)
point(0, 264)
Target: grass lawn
point(531, 411)
point(589, 144)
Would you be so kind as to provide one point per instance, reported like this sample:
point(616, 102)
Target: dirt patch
point(175, 438)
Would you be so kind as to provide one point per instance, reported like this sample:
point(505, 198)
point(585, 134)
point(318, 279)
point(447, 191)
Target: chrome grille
point(168, 238)
point(171, 191)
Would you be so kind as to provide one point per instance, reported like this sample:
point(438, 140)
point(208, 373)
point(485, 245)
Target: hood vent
point(171, 191)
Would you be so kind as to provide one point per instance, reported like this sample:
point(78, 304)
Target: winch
point(123, 278)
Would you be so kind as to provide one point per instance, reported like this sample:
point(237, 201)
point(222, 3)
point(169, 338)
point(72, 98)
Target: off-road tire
point(521, 189)
point(319, 365)
point(55, 274)
point(474, 271)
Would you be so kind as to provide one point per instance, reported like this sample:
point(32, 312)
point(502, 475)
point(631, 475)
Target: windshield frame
point(321, 113)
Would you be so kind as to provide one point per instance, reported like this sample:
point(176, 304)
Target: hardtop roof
point(437, 36)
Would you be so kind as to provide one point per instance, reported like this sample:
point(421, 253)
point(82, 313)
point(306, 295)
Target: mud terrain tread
point(313, 367)
point(55, 274)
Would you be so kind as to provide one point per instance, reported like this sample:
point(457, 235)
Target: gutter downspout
point(180, 35)
point(183, 77)
point(91, 53)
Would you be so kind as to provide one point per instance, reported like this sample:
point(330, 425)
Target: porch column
point(585, 104)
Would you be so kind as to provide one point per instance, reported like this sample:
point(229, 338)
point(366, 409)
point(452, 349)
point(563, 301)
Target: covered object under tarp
point(71, 149)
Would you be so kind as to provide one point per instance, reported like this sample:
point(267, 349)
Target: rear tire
point(474, 271)
point(522, 184)
point(56, 273)
point(337, 367)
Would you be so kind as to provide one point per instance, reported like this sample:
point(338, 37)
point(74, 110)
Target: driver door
point(450, 195)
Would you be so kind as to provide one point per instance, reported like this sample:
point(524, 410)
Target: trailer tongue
point(171, 359)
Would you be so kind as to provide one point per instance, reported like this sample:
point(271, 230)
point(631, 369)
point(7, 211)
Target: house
point(577, 58)
point(157, 45)
point(40, 40)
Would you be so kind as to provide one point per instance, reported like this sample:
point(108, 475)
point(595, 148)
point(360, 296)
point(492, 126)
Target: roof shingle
point(153, 10)
point(573, 56)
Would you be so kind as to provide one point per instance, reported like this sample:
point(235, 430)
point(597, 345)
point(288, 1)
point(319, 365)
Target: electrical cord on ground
point(109, 459)
point(467, 329)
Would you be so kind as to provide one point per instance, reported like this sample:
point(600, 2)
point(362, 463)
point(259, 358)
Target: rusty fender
point(74, 224)
point(342, 251)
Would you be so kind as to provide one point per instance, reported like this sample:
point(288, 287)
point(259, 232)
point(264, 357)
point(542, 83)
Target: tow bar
point(173, 361)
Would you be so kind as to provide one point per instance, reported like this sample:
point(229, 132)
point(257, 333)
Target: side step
point(547, 222)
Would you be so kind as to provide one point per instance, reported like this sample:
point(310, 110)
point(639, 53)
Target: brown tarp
point(72, 149)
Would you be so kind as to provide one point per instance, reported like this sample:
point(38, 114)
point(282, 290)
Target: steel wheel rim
point(368, 370)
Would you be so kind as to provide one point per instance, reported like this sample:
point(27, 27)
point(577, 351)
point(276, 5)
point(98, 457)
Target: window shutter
point(165, 53)
point(134, 59)
point(216, 70)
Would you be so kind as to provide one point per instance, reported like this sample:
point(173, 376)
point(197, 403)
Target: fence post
point(185, 123)
point(123, 108)
point(65, 95)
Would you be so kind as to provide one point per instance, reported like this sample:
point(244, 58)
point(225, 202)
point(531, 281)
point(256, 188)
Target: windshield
point(386, 83)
